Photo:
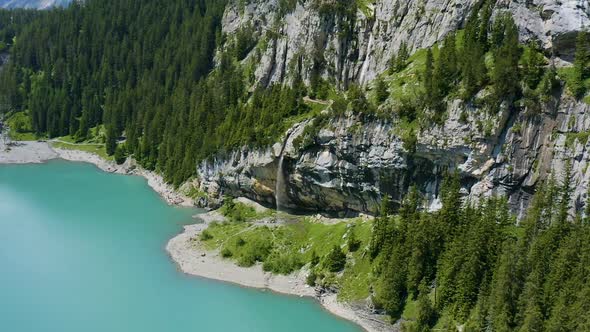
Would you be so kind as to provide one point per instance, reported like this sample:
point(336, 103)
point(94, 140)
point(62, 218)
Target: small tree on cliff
point(335, 260)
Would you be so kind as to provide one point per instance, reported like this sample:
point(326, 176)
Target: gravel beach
point(194, 260)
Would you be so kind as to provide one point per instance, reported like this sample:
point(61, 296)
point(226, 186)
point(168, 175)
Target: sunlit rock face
point(353, 160)
point(358, 48)
point(33, 4)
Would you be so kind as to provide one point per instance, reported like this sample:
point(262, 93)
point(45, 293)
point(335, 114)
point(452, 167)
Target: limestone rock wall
point(293, 40)
point(354, 159)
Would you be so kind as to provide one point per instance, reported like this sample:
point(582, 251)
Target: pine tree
point(474, 47)
point(504, 289)
point(450, 196)
point(547, 85)
point(483, 23)
point(111, 140)
point(533, 319)
point(380, 227)
point(381, 93)
point(427, 79)
point(505, 75)
point(581, 65)
point(335, 260)
point(445, 69)
point(402, 57)
point(391, 287)
point(426, 314)
point(353, 243)
point(565, 199)
point(586, 219)
point(393, 64)
point(120, 154)
point(532, 65)
point(315, 259)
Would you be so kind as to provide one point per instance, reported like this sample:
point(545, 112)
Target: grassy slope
point(296, 242)
point(97, 149)
point(21, 128)
point(93, 144)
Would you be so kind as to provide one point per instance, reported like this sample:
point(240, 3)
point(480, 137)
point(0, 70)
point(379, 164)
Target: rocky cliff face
point(306, 38)
point(353, 160)
point(33, 4)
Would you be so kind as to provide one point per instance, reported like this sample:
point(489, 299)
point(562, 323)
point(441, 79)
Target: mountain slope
point(506, 152)
point(355, 41)
point(298, 98)
point(438, 117)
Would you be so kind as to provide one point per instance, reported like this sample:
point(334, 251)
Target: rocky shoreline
point(130, 167)
point(31, 152)
point(194, 260)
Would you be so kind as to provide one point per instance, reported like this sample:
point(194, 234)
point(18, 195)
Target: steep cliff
point(348, 161)
point(317, 35)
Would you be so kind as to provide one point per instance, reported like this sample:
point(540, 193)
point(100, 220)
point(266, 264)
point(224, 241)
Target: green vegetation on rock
point(21, 127)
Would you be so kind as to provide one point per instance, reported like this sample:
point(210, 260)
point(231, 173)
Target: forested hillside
point(467, 265)
point(483, 270)
point(144, 71)
point(11, 22)
point(167, 83)
point(218, 91)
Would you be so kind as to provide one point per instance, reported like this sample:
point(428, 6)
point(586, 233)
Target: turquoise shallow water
point(82, 250)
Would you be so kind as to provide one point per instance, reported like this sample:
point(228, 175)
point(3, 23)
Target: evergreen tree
point(353, 243)
point(505, 75)
point(504, 289)
point(391, 287)
point(427, 79)
point(111, 140)
point(475, 44)
point(120, 154)
point(581, 65)
point(380, 227)
point(402, 57)
point(450, 215)
point(335, 260)
point(533, 319)
point(445, 68)
point(399, 61)
point(564, 204)
point(547, 85)
point(315, 259)
point(426, 314)
point(532, 65)
point(586, 219)
point(381, 93)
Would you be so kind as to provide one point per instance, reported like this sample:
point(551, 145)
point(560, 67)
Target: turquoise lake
point(83, 250)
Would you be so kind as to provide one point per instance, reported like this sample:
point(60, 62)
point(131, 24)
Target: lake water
point(82, 250)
